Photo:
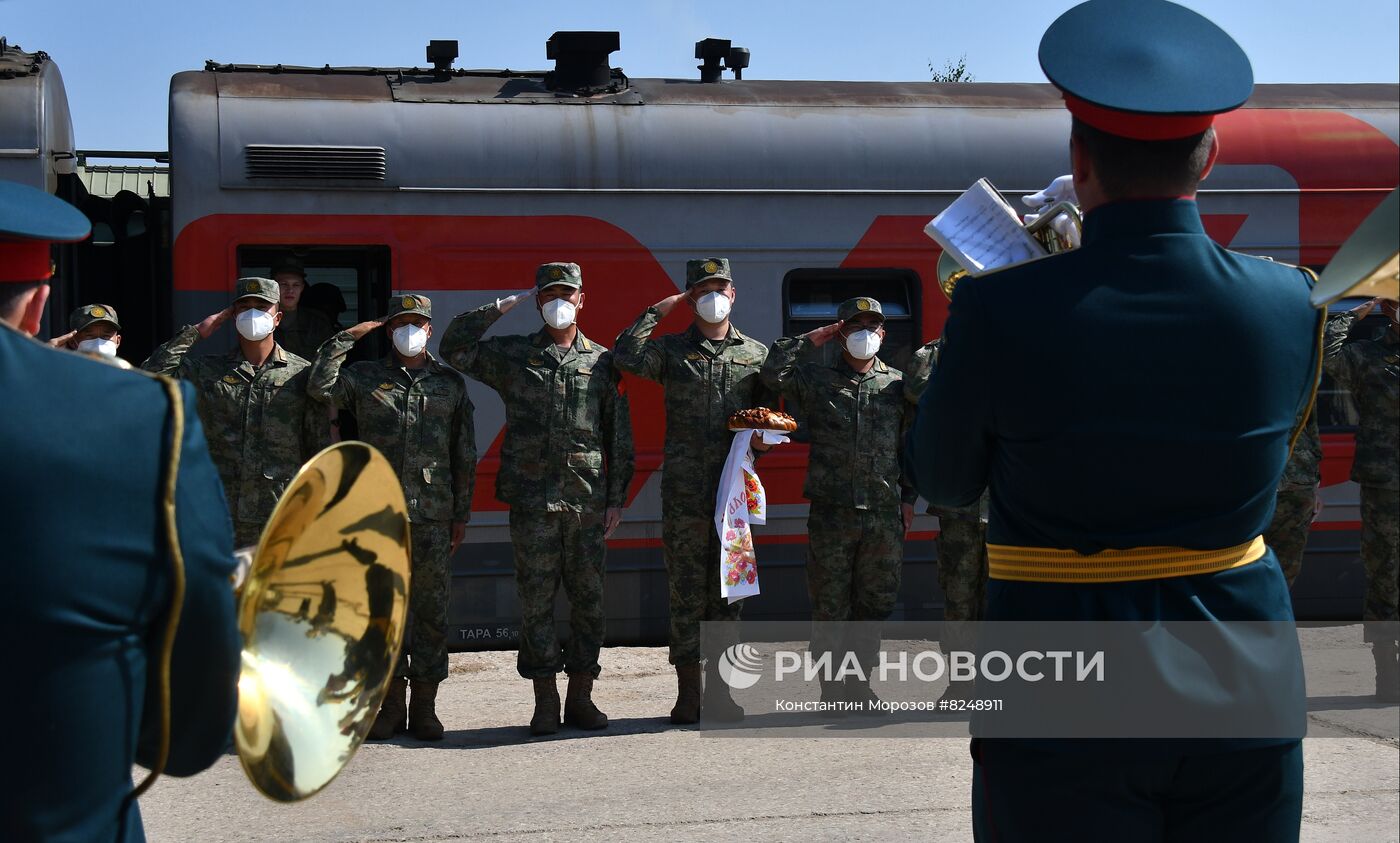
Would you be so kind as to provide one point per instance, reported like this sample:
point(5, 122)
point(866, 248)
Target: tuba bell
point(322, 612)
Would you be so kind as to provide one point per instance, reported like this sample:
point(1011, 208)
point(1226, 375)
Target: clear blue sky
point(117, 59)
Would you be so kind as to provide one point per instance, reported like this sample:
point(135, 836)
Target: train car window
point(811, 296)
point(349, 283)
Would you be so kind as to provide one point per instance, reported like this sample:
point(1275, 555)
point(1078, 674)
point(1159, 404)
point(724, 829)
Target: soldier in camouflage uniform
point(565, 465)
point(1296, 503)
point(708, 371)
point(416, 411)
point(861, 506)
point(261, 424)
point(961, 542)
point(93, 330)
point(302, 329)
point(1370, 368)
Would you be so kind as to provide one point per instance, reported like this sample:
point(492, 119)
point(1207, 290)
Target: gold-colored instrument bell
point(322, 612)
point(1368, 263)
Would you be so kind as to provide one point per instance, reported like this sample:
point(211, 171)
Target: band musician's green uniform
point(566, 459)
point(262, 425)
point(855, 530)
point(422, 421)
point(962, 530)
point(86, 577)
point(705, 382)
point(1186, 373)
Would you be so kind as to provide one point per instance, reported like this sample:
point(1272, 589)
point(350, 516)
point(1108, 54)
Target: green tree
point(951, 72)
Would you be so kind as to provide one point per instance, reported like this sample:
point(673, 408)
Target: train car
point(457, 183)
point(36, 140)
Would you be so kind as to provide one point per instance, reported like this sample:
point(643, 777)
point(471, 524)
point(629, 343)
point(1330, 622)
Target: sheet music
point(982, 231)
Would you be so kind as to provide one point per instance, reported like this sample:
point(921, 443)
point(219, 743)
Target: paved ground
point(642, 779)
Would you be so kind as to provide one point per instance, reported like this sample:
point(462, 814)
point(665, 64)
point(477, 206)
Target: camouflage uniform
point(1296, 503)
point(566, 459)
point(304, 330)
point(855, 526)
point(962, 531)
point(260, 423)
point(421, 419)
point(705, 382)
point(1370, 369)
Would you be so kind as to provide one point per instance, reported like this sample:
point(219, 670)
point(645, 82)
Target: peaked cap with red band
point(30, 220)
point(1144, 69)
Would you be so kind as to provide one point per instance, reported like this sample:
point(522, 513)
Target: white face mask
point(410, 340)
point(863, 345)
point(99, 345)
point(713, 307)
point(559, 313)
point(254, 325)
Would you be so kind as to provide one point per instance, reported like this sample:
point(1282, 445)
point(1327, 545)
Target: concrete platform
point(642, 779)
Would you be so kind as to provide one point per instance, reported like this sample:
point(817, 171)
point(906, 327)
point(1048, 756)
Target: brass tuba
point(950, 272)
point(322, 612)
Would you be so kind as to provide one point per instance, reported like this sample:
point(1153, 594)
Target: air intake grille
point(340, 163)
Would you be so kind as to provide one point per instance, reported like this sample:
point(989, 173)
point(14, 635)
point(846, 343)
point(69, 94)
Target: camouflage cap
point(567, 274)
point(409, 303)
point(699, 271)
point(851, 308)
point(257, 288)
point(289, 266)
point(89, 314)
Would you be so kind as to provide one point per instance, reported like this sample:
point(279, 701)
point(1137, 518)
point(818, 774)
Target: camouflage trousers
point(1288, 532)
point(551, 547)
point(691, 548)
point(424, 656)
point(962, 574)
point(1380, 535)
point(854, 559)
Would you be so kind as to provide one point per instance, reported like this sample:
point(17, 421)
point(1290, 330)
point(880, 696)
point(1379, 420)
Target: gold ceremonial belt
point(1041, 564)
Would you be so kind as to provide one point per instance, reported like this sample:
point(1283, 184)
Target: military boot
point(1387, 671)
point(546, 718)
point(717, 704)
point(834, 696)
point(393, 712)
point(579, 710)
point(689, 685)
point(423, 721)
point(863, 698)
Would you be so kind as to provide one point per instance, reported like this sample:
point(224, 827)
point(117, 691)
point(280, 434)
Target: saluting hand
point(822, 336)
point(509, 302)
point(358, 331)
point(212, 322)
point(63, 341)
point(611, 519)
point(669, 303)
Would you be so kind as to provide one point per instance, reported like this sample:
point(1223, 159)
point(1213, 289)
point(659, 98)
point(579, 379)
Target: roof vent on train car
point(712, 51)
point(581, 61)
point(337, 163)
point(442, 54)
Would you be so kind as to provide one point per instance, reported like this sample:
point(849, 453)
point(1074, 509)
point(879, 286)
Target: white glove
point(1059, 190)
point(505, 304)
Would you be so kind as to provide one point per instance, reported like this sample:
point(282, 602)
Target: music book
point(982, 231)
